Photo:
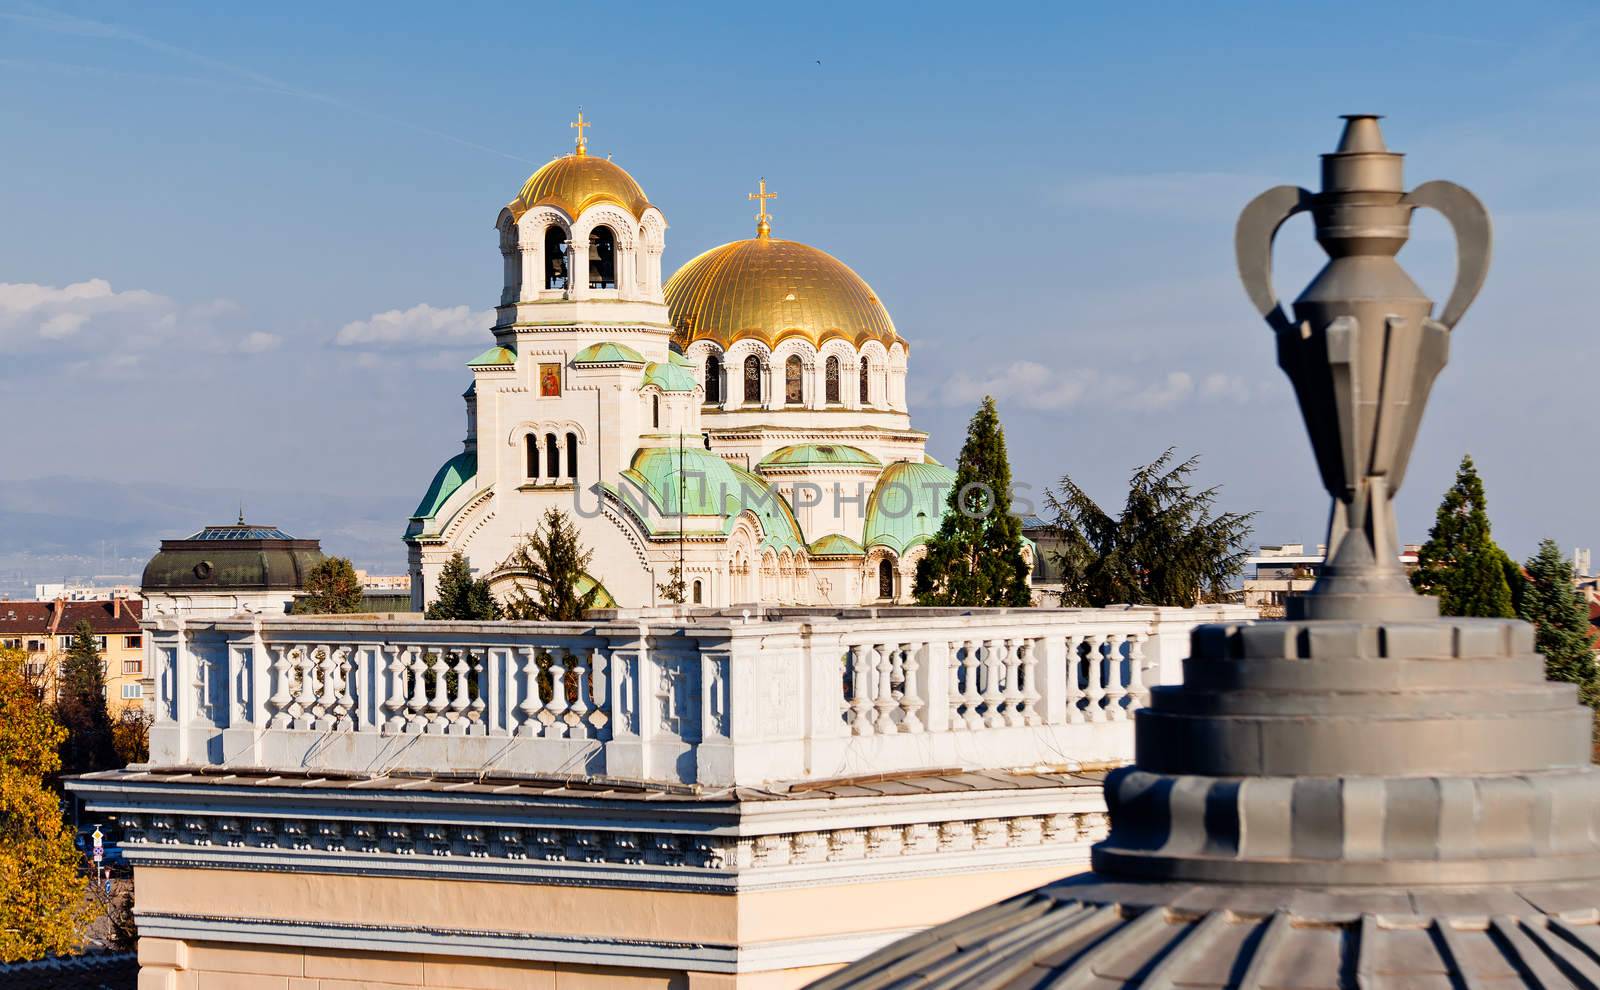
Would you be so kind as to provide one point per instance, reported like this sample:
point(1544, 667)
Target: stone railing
point(709, 698)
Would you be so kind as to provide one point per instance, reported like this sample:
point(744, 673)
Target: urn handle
point(1470, 221)
point(1252, 245)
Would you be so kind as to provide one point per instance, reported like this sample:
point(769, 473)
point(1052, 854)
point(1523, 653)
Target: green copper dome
point(906, 505)
point(494, 357)
point(836, 545)
point(456, 472)
point(710, 487)
point(819, 455)
point(668, 377)
point(608, 352)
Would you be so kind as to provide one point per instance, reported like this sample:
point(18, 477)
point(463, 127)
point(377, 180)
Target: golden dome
point(771, 290)
point(575, 182)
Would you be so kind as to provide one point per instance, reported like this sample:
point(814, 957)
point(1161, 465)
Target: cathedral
point(743, 425)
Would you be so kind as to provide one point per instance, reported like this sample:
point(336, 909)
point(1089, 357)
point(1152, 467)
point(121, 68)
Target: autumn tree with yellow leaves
point(44, 909)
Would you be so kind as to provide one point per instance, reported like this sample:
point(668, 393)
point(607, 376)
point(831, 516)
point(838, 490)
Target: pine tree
point(461, 596)
point(556, 562)
point(1460, 563)
point(332, 588)
point(81, 707)
point(1552, 603)
point(976, 557)
point(1166, 548)
point(43, 910)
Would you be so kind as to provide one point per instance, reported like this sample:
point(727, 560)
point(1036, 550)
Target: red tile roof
point(61, 617)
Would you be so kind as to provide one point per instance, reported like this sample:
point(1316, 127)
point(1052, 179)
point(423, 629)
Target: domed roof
point(238, 557)
point(773, 289)
point(573, 183)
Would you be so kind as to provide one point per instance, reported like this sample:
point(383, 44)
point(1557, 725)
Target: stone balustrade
point(719, 699)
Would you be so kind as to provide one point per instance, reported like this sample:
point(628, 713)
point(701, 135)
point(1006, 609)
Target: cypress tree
point(556, 562)
point(81, 707)
point(461, 596)
point(1552, 603)
point(976, 557)
point(1460, 563)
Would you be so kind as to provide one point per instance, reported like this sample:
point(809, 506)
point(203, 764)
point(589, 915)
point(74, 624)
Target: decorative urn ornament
point(1362, 350)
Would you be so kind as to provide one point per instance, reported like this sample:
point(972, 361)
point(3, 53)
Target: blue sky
point(197, 199)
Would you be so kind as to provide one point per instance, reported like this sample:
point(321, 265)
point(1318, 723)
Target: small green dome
point(608, 352)
point(494, 357)
point(456, 472)
point(668, 377)
point(673, 357)
point(819, 455)
point(907, 505)
point(836, 545)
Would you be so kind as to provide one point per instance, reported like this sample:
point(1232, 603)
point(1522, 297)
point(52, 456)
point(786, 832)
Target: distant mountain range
point(83, 530)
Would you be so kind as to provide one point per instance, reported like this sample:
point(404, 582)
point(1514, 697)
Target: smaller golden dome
point(573, 183)
point(772, 289)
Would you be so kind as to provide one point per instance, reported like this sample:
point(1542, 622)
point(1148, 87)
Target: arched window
point(752, 379)
point(555, 258)
point(697, 592)
point(531, 441)
point(864, 399)
point(885, 579)
point(552, 457)
point(572, 456)
point(602, 258)
point(830, 375)
point(655, 412)
point(714, 379)
point(793, 391)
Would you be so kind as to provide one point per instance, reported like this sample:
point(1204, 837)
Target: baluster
point(417, 707)
point(1075, 691)
point(1138, 694)
point(1028, 668)
point(1098, 646)
point(455, 714)
point(861, 690)
point(599, 691)
point(910, 692)
point(885, 702)
point(281, 698)
point(992, 668)
point(1013, 690)
point(1116, 681)
point(556, 711)
point(438, 662)
point(530, 694)
point(970, 697)
point(344, 702)
point(953, 692)
point(305, 701)
point(478, 683)
point(395, 664)
point(577, 728)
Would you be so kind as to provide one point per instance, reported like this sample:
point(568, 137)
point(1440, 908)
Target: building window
point(11, 644)
point(132, 692)
point(793, 390)
point(133, 666)
point(752, 379)
point(532, 443)
point(885, 579)
point(133, 642)
point(552, 457)
point(713, 379)
point(572, 456)
point(555, 257)
point(864, 399)
point(830, 375)
point(655, 412)
point(36, 669)
point(602, 259)
point(697, 592)
point(64, 642)
point(35, 646)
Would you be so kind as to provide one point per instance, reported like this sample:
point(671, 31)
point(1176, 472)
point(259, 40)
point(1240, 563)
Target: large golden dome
point(575, 182)
point(772, 290)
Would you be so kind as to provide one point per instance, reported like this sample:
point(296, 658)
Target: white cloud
point(42, 319)
point(420, 326)
point(1039, 387)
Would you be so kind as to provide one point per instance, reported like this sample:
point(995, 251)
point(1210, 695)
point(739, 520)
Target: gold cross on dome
point(580, 124)
point(763, 218)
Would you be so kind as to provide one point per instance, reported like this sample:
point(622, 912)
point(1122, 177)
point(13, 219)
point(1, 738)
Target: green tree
point(1166, 548)
point(332, 588)
point(1461, 564)
point(1561, 617)
point(43, 910)
point(556, 563)
point(673, 590)
point(461, 596)
point(81, 706)
point(976, 557)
